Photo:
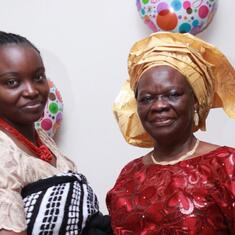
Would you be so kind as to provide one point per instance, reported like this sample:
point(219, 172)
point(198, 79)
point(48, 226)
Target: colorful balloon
point(181, 16)
point(53, 112)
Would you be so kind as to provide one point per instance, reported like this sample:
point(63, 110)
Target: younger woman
point(40, 189)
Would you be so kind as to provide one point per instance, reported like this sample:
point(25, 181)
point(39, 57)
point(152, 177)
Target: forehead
point(163, 77)
point(18, 55)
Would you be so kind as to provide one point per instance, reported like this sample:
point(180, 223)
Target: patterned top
point(18, 169)
point(194, 196)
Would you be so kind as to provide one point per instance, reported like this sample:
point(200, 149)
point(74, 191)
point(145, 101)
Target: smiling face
point(165, 103)
point(23, 85)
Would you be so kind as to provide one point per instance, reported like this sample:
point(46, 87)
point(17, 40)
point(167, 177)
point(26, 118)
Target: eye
point(145, 99)
point(173, 95)
point(40, 77)
point(12, 83)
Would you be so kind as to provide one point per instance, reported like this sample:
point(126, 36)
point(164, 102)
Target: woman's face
point(23, 85)
point(165, 103)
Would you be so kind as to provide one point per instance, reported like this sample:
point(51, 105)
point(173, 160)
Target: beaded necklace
point(43, 152)
point(181, 158)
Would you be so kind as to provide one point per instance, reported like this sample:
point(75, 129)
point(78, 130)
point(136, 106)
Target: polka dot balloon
point(181, 16)
point(53, 112)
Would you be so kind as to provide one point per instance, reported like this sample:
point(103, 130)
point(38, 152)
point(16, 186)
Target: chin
point(161, 135)
point(28, 119)
point(168, 133)
point(34, 119)
point(165, 132)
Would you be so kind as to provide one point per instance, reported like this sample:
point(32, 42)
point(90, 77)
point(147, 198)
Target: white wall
point(85, 46)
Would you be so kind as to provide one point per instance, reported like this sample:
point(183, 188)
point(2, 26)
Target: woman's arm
point(6, 232)
point(12, 214)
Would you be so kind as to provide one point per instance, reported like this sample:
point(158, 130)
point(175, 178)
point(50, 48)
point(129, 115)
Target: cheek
point(8, 104)
point(10, 98)
point(141, 110)
point(185, 109)
point(143, 113)
point(45, 91)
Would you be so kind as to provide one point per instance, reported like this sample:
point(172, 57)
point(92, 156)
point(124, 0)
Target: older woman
point(41, 191)
point(184, 185)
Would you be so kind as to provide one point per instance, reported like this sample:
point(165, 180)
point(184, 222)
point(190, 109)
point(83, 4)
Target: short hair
point(8, 38)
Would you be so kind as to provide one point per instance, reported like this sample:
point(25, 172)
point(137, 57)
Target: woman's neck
point(172, 150)
point(26, 130)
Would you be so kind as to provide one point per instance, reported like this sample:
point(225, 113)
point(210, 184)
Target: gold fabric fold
point(207, 70)
point(124, 109)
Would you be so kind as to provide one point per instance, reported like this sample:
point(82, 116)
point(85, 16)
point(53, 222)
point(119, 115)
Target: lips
point(162, 121)
point(33, 106)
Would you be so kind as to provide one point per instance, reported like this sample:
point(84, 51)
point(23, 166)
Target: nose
point(30, 90)
point(160, 105)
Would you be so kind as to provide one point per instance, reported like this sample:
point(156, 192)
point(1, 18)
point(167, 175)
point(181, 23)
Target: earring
point(196, 118)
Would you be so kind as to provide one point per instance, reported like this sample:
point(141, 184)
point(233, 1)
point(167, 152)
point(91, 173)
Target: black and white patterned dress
point(61, 204)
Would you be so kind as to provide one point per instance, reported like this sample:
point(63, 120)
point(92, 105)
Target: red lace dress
point(195, 196)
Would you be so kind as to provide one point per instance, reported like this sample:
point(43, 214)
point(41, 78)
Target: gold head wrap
point(207, 70)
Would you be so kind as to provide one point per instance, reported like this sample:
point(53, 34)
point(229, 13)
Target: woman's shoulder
point(213, 149)
point(5, 140)
point(214, 156)
point(49, 142)
point(10, 167)
point(45, 138)
point(8, 151)
point(132, 166)
point(125, 175)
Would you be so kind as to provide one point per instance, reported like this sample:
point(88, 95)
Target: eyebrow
point(166, 89)
point(8, 73)
point(16, 73)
